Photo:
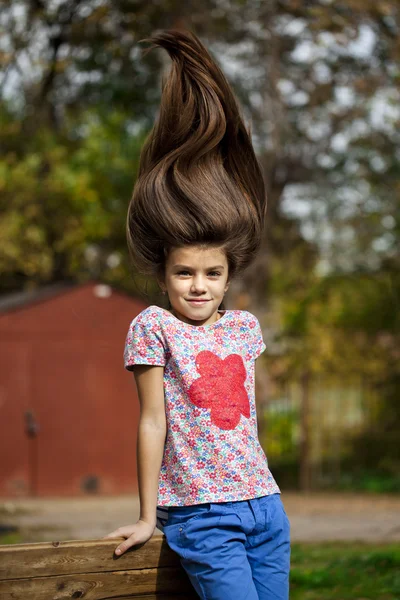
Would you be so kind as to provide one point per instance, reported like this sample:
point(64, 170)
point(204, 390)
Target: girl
point(195, 220)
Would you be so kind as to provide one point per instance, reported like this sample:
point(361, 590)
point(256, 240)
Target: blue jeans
point(233, 550)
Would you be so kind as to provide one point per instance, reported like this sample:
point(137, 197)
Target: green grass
point(11, 538)
point(339, 571)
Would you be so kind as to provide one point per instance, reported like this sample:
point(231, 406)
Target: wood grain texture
point(56, 558)
point(90, 570)
point(96, 586)
point(175, 596)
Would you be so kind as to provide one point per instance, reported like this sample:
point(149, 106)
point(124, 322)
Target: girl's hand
point(139, 533)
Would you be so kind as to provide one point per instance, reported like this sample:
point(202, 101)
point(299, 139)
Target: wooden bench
point(89, 569)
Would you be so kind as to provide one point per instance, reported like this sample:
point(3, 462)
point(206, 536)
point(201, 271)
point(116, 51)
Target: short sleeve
point(144, 344)
point(257, 341)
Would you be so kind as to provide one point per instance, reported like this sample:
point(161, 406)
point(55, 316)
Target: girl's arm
point(151, 437)
point(150, 448)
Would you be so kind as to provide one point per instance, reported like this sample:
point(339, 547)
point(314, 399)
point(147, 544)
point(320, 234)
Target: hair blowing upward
point(199, 181)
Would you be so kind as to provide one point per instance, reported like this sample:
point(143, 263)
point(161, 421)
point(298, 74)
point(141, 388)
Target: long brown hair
point(199, 181)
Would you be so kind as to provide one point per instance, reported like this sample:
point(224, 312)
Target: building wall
point(62, 361)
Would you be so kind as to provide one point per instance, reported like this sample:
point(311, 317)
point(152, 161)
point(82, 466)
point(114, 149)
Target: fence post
point(305, 465)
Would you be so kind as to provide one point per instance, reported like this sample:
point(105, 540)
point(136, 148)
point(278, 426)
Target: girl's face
point(196, 279)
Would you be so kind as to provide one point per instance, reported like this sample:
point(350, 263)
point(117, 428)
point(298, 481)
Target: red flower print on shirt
point(220, 388)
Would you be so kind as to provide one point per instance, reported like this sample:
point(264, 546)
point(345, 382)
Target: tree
point(310, 76)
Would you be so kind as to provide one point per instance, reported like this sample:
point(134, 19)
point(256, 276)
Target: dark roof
point(19, 299)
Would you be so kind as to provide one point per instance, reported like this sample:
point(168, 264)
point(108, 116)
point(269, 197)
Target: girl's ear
point(226, 286)
point(162, 286)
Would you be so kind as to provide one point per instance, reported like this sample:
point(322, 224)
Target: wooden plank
point(81, 556)
point(101, 586)
point(175, 596)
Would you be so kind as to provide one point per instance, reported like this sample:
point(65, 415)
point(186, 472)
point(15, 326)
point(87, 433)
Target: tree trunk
point(305, 455)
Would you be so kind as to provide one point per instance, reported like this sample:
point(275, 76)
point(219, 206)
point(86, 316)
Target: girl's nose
point(198, 285)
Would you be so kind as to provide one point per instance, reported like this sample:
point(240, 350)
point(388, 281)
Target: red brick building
point(68, 409)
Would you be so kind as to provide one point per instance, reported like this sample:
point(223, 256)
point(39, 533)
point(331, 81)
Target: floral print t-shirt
point(212, 452)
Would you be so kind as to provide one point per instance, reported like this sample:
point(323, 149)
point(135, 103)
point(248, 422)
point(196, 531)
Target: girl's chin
point(198, 313)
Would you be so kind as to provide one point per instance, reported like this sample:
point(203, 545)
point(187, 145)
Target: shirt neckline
point(209, 326)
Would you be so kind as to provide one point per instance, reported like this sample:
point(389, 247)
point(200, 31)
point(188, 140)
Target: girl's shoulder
point(149, 317)
point(150, 311)
point(242, 318)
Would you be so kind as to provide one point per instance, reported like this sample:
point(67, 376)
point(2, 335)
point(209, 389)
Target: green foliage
point(375, 458)
point(61, 195)
point(369, 480)
point(343, 323)
point(84, 62)
point(279, 438)
point(342, 571)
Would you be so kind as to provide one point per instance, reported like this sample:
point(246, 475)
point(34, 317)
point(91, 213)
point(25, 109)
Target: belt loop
point(258, 522)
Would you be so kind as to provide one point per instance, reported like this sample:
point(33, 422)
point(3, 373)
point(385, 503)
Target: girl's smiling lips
point(197, 301)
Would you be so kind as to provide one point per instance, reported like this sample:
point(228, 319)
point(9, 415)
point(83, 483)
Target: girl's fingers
point(133, 534)
point(124, 547)
point(131, 541)
point(120, 532)
point(134, 539)
point(113, 534)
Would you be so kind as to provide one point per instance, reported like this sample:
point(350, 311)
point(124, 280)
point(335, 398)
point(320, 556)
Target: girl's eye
point(211, 273)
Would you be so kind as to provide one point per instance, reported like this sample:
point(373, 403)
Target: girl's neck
point(217, 317)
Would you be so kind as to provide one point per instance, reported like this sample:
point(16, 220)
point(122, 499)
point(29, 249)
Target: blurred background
point(319, 84)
